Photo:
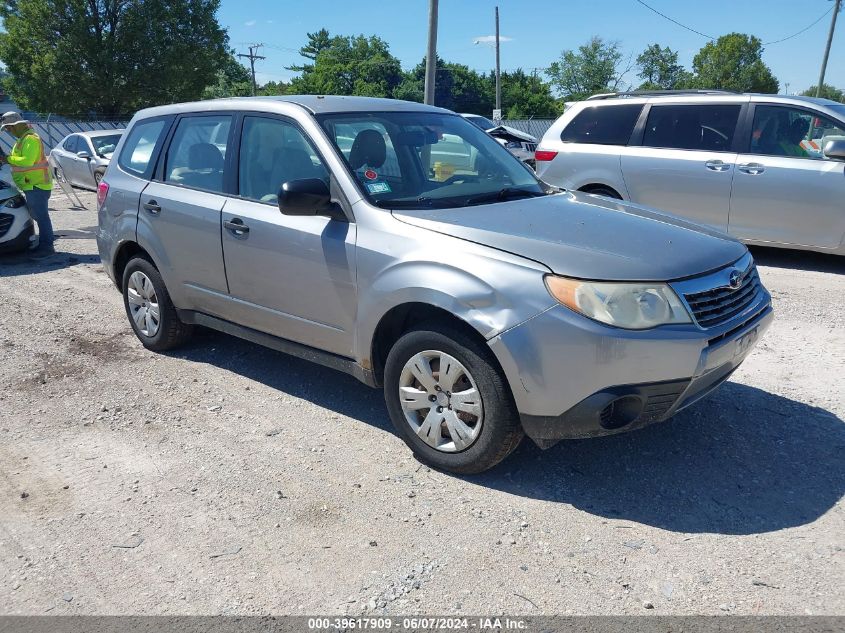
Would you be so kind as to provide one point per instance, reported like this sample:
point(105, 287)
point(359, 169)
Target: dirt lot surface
point(226, 478)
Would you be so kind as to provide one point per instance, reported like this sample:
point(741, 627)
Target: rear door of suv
point(785, 190)
point(179, 215)
point(681, 158)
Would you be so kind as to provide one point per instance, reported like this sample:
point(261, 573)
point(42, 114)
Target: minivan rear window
point(603, 125)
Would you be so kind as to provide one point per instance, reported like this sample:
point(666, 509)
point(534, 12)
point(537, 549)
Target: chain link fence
point(52, 131)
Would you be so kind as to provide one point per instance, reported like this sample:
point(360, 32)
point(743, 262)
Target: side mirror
point(83, 154)
point(308, 196)
point(835, 149)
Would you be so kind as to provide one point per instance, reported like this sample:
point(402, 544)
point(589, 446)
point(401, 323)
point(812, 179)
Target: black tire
point(501, 431)
point(98, 175)
point(171, 331)
point(607, 192)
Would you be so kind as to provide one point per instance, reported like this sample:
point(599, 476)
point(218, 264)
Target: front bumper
point(574, 378)
point(19, 242)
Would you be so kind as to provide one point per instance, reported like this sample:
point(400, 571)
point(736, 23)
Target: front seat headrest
point(368, 149)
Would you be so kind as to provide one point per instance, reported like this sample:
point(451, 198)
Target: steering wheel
point(460, 178)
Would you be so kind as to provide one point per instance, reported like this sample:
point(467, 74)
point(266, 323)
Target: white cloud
point(250, 23)
point(491, 39)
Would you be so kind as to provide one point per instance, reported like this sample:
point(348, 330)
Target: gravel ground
point(229, 479)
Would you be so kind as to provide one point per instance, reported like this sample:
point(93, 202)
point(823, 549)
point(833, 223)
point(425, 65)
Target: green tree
point(524, 96)
point(828, 92)
point(595, 67)
point(316, 42)
point(274, 88)
point(109, 57)
point(457, 88)
point(233, 80)
point(734, 62)
point(355, 65)
point(659, 68)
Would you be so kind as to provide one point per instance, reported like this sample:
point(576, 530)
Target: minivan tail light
point(544, 154)
point(102, 192)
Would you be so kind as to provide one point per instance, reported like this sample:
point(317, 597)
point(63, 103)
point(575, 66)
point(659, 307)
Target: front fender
point(488, 293)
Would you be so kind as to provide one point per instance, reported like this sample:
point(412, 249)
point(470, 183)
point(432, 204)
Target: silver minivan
point(768, 169)
point(400, 243)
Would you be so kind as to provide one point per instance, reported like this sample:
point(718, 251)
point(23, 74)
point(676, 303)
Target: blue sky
point(538, 30)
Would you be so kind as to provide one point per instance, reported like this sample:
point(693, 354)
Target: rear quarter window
point(603, 125)
point(137, 153)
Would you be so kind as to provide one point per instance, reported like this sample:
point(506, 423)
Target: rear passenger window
point(70, 144)
point(274, 152)
point(696, 127)
point(197, 152)
point(603, 125)
point(138, 149)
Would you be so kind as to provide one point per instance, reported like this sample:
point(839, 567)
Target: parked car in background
point(518, 143)
point(83, 157)
point(767, 169)
point(16, 227)
point(486, 304)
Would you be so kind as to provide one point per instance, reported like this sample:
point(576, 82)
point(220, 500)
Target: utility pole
point(431, 55)
point(253, 55)
point(498, 68)
point(836, 7)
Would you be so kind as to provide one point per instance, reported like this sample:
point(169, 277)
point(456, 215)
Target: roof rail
point(658, 93)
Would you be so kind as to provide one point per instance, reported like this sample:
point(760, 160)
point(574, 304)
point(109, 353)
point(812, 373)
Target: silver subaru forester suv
point(400, 243)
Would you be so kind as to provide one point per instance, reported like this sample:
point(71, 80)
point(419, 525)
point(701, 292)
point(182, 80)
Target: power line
point(821, 17)
point(684, 26)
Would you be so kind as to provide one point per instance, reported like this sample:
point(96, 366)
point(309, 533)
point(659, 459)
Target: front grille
point(718, 305)
point(6, 220)
point(530, 147)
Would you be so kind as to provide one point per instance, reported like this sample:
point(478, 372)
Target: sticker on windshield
point(370, 174)
point(378, 187)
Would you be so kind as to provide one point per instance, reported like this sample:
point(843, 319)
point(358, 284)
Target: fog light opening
point(621, 412)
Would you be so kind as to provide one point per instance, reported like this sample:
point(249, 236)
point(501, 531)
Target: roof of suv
point(316, 104)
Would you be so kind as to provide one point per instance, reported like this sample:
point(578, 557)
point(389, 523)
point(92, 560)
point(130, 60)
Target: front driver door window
point(785, 190)
point(290, 276)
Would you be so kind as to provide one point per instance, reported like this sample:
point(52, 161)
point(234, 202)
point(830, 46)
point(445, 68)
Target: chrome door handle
point(717, 165)
point(236, 226)
point(752, 168)
point(152, 207)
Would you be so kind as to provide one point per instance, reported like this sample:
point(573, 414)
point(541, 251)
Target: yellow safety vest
point(36, 174)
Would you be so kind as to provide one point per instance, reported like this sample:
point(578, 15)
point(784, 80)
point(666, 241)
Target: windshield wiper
point(508, 193)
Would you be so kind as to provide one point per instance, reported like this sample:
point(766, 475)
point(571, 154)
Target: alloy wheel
point(441, 401)
point(143, 304)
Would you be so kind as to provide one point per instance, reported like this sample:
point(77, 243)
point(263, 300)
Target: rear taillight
point(102, 192)
point(544, 154)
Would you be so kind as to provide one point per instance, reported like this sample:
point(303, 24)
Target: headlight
point(513, 145)
point(15, 202)
point(634, 306)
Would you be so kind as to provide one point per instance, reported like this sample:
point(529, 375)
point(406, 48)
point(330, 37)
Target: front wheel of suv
point(449, 401)
point(151, 313)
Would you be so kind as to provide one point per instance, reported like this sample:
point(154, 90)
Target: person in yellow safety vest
point(31, 174)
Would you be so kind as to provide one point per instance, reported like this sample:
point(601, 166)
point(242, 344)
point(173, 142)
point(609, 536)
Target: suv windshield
point(417, 160)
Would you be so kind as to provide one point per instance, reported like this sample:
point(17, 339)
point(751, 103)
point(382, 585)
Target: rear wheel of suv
point(449, 401)
point(151, 313)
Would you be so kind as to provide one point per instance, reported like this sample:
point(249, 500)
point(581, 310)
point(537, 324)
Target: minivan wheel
point(151, 312)
point(449, 401)
point(607, 192)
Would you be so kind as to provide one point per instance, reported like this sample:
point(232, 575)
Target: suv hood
point(588, 237)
